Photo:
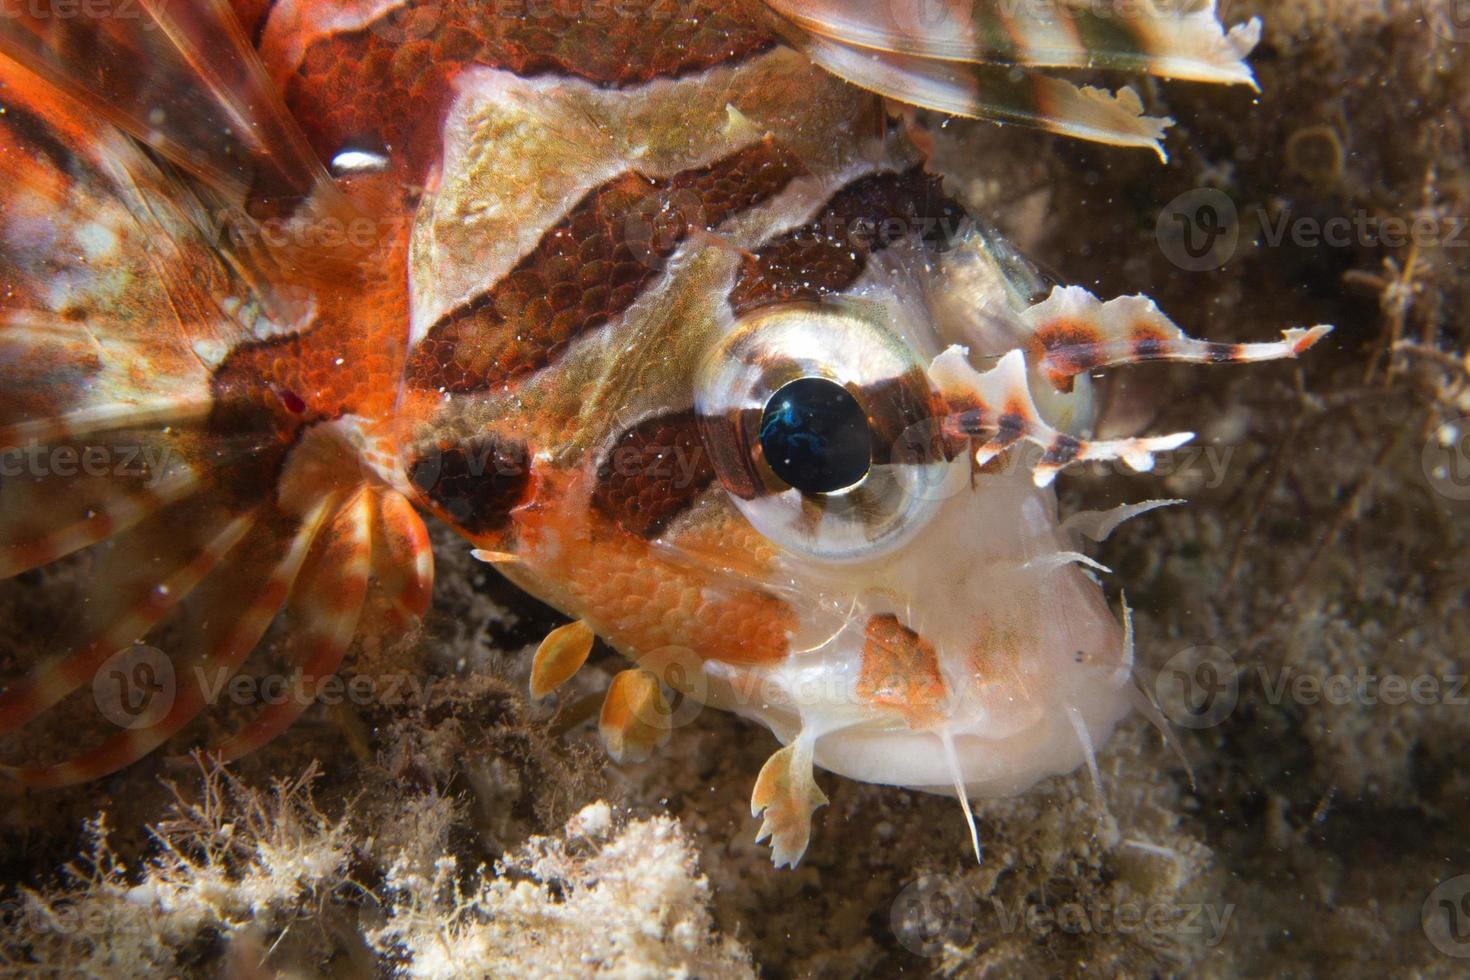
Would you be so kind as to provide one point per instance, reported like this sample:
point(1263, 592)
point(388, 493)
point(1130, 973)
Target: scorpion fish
point(654, 302)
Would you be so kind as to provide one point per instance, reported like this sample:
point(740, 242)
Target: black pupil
point(815, 436)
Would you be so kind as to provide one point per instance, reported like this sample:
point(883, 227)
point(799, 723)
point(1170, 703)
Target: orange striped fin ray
point(71, 482)
point(149, 571)
point(222, 631)
point(117, 304)
point(997, 93)
point(403, 559)
point(102, 418)
point(984, 58)
point(44, 520)
point(325, 607)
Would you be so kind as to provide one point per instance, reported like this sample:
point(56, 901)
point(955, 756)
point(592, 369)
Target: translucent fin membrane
point(180, 77)
point(232, 629)
point(1001, 94)
point(980, 58)
point(135, 603)
point(1165, 39)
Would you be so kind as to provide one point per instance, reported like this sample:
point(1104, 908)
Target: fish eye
point(823, 429)
point(815, 436)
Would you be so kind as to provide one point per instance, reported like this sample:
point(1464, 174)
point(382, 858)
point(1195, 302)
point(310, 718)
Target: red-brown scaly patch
point(829, 253)
point(391, 81)
point(348, 360)
point(652, 472)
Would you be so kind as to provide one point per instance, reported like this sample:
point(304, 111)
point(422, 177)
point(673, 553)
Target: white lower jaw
point(990, 767)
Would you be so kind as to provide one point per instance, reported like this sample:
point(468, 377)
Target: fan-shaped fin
point(180, 77)
point(979, 57)
point(635, 717)
point(1168, 39)
point(786, 794)
point(131, 329)
point(561, 654)
point(117, 303)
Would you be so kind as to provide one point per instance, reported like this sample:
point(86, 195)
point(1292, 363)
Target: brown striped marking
point(390, 81)
point(900, 672)
point(474, 484)
point(590, 268)
point(652, 473)
point(829, 253)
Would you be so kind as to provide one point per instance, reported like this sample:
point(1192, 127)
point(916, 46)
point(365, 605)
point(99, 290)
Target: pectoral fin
point(560, 656)
point(635, 716)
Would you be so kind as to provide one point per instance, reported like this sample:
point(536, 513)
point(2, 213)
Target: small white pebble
point(593, 820)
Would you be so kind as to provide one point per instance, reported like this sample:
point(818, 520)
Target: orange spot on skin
point(1016, 407)
point(900, 672)
point(1142, 330)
